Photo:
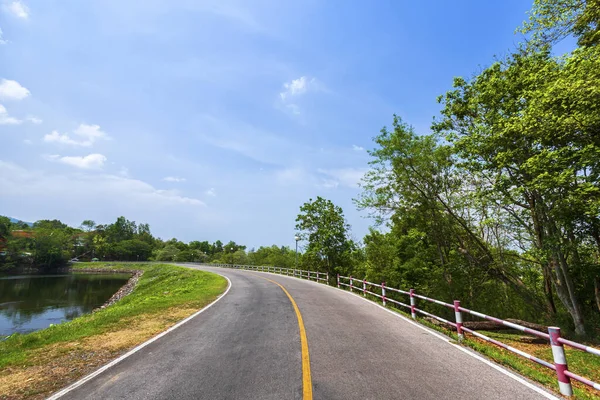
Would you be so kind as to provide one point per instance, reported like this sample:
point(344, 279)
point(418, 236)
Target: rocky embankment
point(124, 290)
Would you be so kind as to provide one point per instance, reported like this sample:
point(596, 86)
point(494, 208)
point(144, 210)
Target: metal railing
point(557, 343)
point(365, 287)
point(295, 272)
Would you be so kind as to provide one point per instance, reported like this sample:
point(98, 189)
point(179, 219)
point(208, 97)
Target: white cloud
point(6, 119)
point(330, 184)
point(34, 120)
point(293, 89)
point(88, 134)
point(173, 179)
point(296, 87)
point(97, 190)
point(211, 192)
point(2, 40)
point(91, 161)
point(63, 139)
point(357, 148)
point(12, 90)
point(18, 9)
point(247, 140)
point(91, 132)
point(349, 177)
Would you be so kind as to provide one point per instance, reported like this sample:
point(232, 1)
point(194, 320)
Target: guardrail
point(365, 287)
point(557, 343)
point(295, 272)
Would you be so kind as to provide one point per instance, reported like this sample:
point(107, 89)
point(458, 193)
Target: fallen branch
point(490, 325)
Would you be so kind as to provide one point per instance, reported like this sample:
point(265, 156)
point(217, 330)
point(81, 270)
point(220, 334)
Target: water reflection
point(32, 302)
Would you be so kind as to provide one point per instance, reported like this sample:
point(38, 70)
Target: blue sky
point(218, 119)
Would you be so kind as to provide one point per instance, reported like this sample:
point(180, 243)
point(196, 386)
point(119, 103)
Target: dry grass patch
point(36, 365)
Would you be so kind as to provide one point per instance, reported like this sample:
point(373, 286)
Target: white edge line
point(138, 348)
point(469, 352)
point(439, 336)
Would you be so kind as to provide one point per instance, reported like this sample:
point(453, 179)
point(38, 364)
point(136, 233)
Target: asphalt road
point(247, 346)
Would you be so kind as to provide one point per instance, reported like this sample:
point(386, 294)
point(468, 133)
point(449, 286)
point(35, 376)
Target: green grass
point(161, 289)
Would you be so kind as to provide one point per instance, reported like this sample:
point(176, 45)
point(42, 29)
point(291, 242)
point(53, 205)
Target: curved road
point(247, 346)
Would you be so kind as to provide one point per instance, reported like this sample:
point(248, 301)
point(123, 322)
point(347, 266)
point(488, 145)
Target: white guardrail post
point(413, 313)
point(560, 362)
point(364, 288)
point(459, 321)
point(351, 283)
point(327, 278)
point(338, 281)
point(383, 293)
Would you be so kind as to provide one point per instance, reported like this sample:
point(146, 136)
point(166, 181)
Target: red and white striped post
point(560, 362)
point(383, 293)
point(364, 287)
point(413, 313)
point(350, 283)
point(459, 321)
point(338, 281)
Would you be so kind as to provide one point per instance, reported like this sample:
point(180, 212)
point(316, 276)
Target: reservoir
point(32, 302)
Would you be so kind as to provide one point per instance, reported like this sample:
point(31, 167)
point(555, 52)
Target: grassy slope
point(35, 364)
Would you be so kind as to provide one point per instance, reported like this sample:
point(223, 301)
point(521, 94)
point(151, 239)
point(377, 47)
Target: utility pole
point(296, 262)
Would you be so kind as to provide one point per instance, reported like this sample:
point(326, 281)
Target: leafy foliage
point(323, 225)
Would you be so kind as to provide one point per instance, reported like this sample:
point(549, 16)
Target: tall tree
point(529, 127)
point(415, 182)
point(88, 225)
point(323, 225)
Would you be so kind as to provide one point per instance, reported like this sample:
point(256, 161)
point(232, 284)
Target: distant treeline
point(51, 244)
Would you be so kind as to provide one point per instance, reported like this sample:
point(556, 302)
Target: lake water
point(32, 302)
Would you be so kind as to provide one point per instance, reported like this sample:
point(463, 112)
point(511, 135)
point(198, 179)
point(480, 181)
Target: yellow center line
point(306, 380)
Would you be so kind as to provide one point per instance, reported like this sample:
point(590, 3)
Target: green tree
point(280, 256)
point(50, 224)
point(528, 128)
point(553, 20)
point(121, 229)
point(88, 225)
point(167, 253)
point(5, 227)
point(438, 233)
point(323, 225)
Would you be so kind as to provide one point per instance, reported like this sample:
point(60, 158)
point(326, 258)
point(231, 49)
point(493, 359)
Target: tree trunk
point(563, 294)
point(547, 273)
point(597, 291)
point(575, 309)
point(492, 326)
point(546, 232)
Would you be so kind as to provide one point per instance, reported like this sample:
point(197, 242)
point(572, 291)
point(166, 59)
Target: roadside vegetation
point(39, 363)
point(49, 245)
point(498, 205)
